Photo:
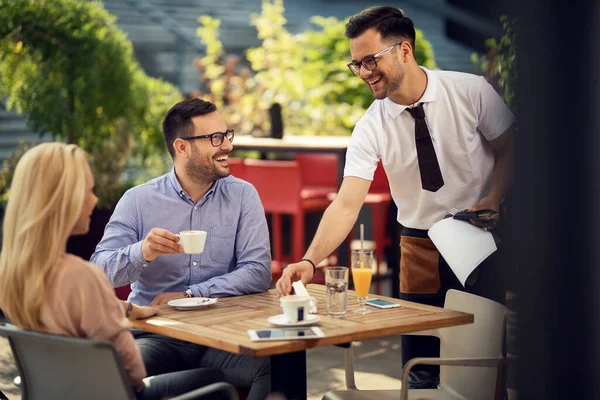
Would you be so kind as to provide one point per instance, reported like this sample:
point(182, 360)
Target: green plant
point(500, 63)
point(66, 65)
point(232, 88)
point(305, 73)
point(8, 170)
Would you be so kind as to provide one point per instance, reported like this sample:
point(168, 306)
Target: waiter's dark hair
point(390, 22)
point(178, 121)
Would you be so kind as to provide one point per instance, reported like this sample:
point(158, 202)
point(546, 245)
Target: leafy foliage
point(306, 73)
point(8, 170)
point(66, 65)
point(500, 64)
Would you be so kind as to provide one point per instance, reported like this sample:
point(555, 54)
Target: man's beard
point(202, 171)
point(391, 83)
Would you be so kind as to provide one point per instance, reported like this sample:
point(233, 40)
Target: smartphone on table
point(259, 335)
point(381, 303)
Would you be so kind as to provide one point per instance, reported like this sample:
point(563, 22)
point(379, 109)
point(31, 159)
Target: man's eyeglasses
point(369, 63)
point(216, 139)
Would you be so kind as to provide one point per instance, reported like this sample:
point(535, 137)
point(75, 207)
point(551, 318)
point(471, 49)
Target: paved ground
point(7, 371)
point(376, 363)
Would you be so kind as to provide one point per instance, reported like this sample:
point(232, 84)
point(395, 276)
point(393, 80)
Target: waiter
point(445, 141)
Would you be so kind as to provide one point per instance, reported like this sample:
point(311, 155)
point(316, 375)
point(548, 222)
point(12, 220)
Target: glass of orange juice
point(362, 271)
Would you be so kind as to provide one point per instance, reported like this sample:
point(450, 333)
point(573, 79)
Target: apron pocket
point(419, 266)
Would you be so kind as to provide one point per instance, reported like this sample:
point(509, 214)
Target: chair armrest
point(466, 362)
point(228, 388)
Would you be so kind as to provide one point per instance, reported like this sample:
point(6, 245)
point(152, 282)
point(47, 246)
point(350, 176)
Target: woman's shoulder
point(74, 263)
point(82, 269)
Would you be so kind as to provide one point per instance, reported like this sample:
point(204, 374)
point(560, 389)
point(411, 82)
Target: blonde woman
point(42, 288)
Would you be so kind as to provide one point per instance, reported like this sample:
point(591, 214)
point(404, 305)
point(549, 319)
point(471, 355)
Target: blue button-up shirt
point(236, 258)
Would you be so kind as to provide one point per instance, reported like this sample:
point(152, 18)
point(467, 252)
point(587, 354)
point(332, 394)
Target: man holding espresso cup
point(193, 232)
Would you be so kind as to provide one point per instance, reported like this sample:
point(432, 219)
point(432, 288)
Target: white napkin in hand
point(463, 246)
point(300, 290)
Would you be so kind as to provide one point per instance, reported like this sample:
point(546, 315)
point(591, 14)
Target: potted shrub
point(67, 67)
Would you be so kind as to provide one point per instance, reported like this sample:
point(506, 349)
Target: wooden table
point(224, 326)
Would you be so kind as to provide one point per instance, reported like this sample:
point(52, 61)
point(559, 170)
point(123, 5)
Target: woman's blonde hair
point(46, 199)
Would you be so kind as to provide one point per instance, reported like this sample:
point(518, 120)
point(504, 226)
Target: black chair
point(2, 320)
point(61, 367)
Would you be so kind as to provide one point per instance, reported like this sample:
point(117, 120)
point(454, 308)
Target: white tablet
point(260, 335)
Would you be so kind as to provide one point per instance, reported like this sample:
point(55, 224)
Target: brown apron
point(419, 266)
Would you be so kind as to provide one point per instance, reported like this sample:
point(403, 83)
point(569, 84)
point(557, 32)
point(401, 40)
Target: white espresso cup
point(192, 241)
point(296, 308)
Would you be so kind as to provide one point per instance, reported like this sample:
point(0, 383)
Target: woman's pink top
point(81, 303)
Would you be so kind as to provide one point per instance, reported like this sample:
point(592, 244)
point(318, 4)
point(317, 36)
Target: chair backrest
point(380, 182)
point(318, 169)
point(61, 367)
point(237, 167)
point(483, 338)
point(278, 184)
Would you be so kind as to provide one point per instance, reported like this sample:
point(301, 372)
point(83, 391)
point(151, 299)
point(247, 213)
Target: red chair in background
point(319, 172)
point(236, 166)
point(378, 199)
point(279, 186)
point(123, 292)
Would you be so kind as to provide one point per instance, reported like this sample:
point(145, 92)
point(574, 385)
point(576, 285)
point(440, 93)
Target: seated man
point(140, 245)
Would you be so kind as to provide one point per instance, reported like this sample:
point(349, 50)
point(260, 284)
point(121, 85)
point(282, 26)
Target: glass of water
point(336, 280)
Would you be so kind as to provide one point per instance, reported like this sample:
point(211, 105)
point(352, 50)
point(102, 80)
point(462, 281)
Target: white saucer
point(192, 303)
point(281, 320)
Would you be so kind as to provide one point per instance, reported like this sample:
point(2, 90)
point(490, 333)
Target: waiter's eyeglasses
point(369, 62)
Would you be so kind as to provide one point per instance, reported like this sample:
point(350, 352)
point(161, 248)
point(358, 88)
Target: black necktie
point(431, 176)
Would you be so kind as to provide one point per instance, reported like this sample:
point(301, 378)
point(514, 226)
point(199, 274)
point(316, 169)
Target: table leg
point(288, 375)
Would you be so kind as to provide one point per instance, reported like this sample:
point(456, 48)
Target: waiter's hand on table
point(160, 242)
point(300, 271)
point(165, 297)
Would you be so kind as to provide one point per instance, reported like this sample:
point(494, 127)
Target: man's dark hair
point(389, 21)
point(178, 121)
